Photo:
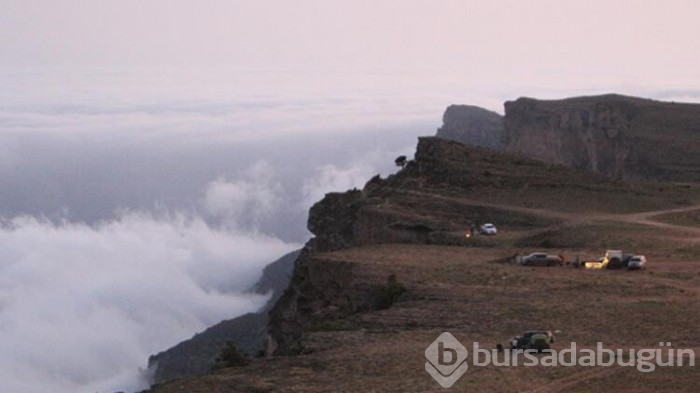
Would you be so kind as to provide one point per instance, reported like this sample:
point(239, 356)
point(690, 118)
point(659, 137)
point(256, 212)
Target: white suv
point(488, 229)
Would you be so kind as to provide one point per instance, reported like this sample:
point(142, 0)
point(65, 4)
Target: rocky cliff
point(621, 137)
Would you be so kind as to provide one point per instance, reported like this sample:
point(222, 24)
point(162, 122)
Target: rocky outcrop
point(197, 355)
point(472, 125)
point(356, 218)
point(321, 290)
point(333, 219)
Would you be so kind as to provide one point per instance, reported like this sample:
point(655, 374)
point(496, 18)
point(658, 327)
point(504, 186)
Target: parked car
point(636, 262)
point(541, 259)
point(538, 340)
point(488, 229)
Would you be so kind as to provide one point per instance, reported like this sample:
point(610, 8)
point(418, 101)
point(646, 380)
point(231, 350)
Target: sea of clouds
point(137, 207)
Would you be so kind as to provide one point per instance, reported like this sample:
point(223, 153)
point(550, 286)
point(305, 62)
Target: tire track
point(566, 383)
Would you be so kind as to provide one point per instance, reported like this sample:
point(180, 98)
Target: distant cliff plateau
point(620, 137)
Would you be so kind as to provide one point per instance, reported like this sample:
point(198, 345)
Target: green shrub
point(231, 356)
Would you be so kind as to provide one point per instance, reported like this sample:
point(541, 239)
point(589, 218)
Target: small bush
point(297, 349)
point(231, 356)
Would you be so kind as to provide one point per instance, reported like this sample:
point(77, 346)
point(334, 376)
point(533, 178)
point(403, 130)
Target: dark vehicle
point(538, 340)
point(541, 259)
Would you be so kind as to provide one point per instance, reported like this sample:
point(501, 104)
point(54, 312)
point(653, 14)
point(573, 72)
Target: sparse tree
point(400, 161)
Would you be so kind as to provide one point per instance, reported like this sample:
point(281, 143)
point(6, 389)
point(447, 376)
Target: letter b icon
point(442, 361)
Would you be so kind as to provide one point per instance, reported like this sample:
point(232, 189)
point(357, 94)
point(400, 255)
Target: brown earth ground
point(479, 296)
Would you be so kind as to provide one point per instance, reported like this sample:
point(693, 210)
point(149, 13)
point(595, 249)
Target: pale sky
point(643, 41)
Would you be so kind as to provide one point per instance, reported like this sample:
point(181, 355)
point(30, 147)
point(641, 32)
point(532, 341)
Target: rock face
point(322, 291)
point(197, 355)
point(595, 134)
point(620, 137)
point(472, 125)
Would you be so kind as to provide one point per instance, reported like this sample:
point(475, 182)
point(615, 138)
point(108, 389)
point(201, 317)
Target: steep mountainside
point(618, 136)
point(197, 355)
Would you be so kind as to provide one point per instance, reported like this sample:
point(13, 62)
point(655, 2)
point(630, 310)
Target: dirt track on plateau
point(646, 218)
point(640, 218)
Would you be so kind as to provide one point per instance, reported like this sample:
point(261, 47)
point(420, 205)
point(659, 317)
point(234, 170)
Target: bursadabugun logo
point(447, 358)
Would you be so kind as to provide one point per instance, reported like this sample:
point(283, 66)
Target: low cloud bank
point(81, 305)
